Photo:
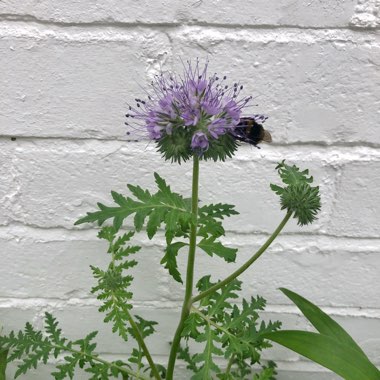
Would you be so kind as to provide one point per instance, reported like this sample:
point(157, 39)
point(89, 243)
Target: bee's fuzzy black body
point(249, 130)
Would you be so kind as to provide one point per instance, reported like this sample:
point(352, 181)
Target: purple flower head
point(197, 105)
point(217, 128)
point(199, 141)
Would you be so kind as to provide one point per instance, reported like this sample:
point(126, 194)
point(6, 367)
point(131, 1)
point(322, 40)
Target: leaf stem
point(209, 321)
point(141, 342)
point(247, 264)
point(229, 365)
point(189, 273)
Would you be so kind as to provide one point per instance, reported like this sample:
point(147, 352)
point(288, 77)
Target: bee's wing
point(267, 137)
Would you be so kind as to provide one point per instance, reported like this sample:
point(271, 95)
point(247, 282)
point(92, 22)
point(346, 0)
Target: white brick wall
point(67, 70)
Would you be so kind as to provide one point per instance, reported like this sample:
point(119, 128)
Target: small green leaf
point(321, 321)
point(184, 354)
point(219, 210)
point(170, 259)
point(291, 175)
point(328, 352)
point(192, 324)
point(210, 246)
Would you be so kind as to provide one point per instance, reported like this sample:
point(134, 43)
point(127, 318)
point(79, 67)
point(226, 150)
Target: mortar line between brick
point(12, 18)
point(317, 144)
point(320, 144)
point(15, 229)
point(38, 302)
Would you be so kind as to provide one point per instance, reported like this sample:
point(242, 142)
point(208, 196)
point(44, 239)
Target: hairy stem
point(189, 273)
point(247, 264)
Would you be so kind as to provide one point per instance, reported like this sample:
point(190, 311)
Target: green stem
point(230, 362)
point(247, 264)
point(140, 341)
point(189, 273)
point(3, 363)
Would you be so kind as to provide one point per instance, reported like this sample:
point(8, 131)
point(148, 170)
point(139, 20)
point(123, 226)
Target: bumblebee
point(251, 131)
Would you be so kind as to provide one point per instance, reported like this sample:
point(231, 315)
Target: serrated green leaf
point(277, 189)
point(267, 373)
point(164, 206)
point(161, 184)
point(328, 352)
point(170, 259)
point(141, 194)
point(219, 210)
point(145, 327)
point(154, 222)
point(209, 366)
point(219, 303)
point(113, 284)
point(184, 354)
point(211, 247)
point(192, 325)
point(291, 175)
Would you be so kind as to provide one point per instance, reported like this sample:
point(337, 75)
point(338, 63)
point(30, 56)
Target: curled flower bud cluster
point(191, 113)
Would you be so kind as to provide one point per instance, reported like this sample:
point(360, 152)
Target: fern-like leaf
point(163, 207)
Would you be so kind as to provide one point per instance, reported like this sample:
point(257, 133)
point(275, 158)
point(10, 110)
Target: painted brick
point(59, 268)
point(57, 265)
point(302, 80)
point(7, 188)
point(77, 84)
point(367, 14)
point(261, 12)
point(355, 212)
point(75, 176)
point(291, 263)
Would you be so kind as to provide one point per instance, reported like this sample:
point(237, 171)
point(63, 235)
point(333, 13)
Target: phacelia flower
point(192, 113)
point(199, 141)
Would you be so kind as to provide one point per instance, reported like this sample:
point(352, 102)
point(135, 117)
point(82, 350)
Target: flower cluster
point(192, 113)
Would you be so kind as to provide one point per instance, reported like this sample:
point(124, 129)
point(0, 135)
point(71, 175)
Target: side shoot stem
point(247, 264)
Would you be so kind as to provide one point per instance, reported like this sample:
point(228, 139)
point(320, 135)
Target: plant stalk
point(141, 342)
point(247, 264)
point(189, 272)
point(229, 365)
point(3, 363)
